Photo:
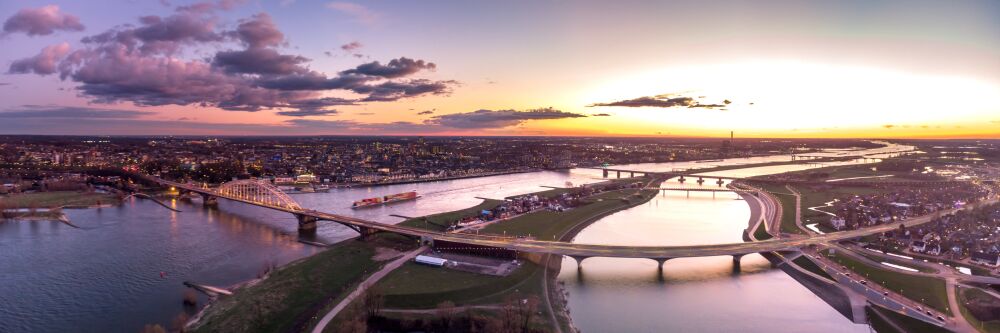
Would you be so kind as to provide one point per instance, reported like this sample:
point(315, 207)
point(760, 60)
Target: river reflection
point(690, 294)
point(106, 275)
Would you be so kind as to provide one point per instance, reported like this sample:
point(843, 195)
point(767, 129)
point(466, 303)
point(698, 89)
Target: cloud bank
point(41, 21)
point(498, 118)
point(665, 101)
point(144, 64)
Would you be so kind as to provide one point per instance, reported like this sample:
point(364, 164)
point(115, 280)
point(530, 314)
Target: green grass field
point(928, 290)
point(908, 324)
point(900, 261)
point(287, 298)
point(787, 201)
point(761, 233)
point(423, 287)
point(56, 199)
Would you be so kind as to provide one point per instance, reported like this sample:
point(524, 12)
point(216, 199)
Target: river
point(124, 267)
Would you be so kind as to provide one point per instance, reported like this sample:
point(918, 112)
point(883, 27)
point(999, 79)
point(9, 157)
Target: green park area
point(928, 290)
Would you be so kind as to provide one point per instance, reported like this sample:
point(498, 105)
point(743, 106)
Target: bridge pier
point(736, 262)
point(366, 232)
point(659, 263)
point(182, 195)
point(306, 223)
point(209, 200)
point(619, 174)
point(579, 261)
point(605, 173)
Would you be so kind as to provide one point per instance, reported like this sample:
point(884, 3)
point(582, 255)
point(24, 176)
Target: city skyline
point(784, 69)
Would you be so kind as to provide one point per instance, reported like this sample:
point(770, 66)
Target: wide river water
point(124, 267)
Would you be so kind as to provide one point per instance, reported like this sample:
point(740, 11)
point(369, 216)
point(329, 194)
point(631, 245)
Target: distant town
point(367, 160)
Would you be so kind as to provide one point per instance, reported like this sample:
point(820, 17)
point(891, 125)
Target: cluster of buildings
point(966, 235)
point(859, 211)
point(348, 160)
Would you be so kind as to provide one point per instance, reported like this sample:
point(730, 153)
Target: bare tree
point(526, 310)
point(373, 300)
point(356, 322)
point(446, 312)
point(508, 314)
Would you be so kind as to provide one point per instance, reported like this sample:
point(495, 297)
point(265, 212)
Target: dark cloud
point(498, 118)
point(665, 101)
point(379, 92)
point(365, 113)
point(425, 112)
point(259, 31)
point(600, 115)
point(41, 21)
point(314, 81)
point(351, 47)
point(313, 107)
point(259, 61)
point(208, 6)
point(395, 90)
point(888, 126)
point(43, 63)
point(395, 68)
point(73, 112)
point(307, 113)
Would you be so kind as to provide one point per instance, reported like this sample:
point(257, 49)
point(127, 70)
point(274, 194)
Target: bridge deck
point(584, 250)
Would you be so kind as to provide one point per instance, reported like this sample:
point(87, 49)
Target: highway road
point(585, 250)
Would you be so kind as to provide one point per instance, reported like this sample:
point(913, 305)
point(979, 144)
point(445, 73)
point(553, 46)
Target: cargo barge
point(385, 200)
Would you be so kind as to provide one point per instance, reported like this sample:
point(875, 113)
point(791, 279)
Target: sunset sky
point(624, 68)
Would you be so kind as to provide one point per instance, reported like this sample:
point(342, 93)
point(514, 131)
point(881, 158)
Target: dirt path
point(370, 281)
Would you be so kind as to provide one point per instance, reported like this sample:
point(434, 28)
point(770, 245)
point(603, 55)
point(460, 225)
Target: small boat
point(388, 199)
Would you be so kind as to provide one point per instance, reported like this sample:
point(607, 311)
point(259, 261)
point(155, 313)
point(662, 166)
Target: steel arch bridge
point(259, 192)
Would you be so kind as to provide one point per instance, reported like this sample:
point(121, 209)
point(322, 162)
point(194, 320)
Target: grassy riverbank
point(56, 199)
point(787, 202)
point(290, 298)
point(420, 287)
point(294, 296)
point(928, 290)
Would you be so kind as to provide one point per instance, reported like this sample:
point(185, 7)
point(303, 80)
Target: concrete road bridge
point(263, 194)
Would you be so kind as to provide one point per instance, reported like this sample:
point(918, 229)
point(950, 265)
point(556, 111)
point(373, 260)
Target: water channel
point(124, 266)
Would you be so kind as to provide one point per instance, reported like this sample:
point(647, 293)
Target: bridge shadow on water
point(693, 270)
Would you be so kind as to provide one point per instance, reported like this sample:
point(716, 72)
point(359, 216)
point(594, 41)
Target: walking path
point(370, 281)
